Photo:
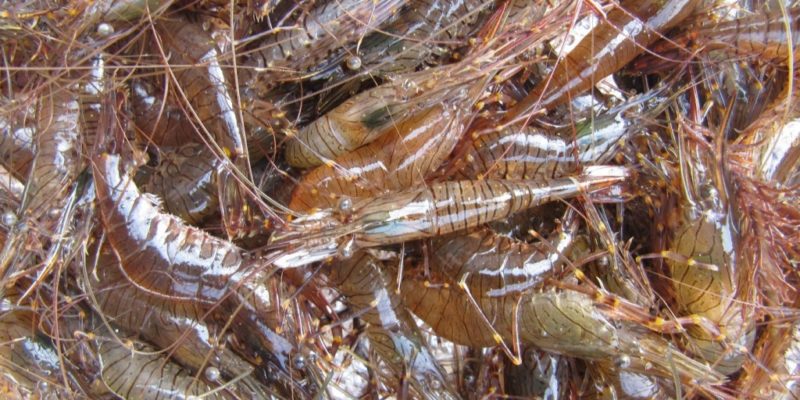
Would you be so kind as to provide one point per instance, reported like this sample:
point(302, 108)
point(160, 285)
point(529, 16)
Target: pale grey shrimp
point(370, 289)
point(185, 180)
point(624, 33)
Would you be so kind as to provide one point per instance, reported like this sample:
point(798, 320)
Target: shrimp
point(401, 156)
point(626, 31)
point(26, 358)
point(427, 212)
point(17, 145)
point(323, 30)
point(422, 28)
point(761, 36)
point(564, 322)
point(393, 334)
point(175, 326)
point(185, 180)
point(58, 154)
point(167, 258)
point(529, 153)
point(706, 267)
point(159, 123)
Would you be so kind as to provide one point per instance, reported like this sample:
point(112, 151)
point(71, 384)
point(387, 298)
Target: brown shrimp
point(370, 289)
point(565, 322)
point(530, 153)
point(17, 145)
point(295, 51)
point(421, 213)
point(58, 153)
point(26, 357)
point(165, 257)
point(178, 327)
point(160, 123)
point(402, 156)
point(706, 267)
point(625, 32)
point(185, 180)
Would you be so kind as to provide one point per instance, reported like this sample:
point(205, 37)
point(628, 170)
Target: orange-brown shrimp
point(420, 213)
point(625, 32)
point(165, 257)
point(159, 122)
point(564, 322)
point(177, 327)
point(17, 145)
point(530, 153)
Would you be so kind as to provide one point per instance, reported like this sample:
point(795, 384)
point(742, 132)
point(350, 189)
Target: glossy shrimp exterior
point(400, 157)
point(185, 180)
point(17, 146)
point(439, 209)
point(58, 154)
point(393, 334)
point(707, 236)
point(166, 257)
point(613, 43)
point(324, 29)
point(762, 36)
point(178, 327)
point(530, 153)
point(565, 322)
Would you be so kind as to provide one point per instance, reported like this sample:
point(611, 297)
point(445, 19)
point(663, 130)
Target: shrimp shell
point(625, 32)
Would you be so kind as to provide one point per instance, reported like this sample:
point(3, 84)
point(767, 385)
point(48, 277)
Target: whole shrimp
point(58, 154)
point(426, 212)
point(706, 267)
point(625, 32)
point(564, 322)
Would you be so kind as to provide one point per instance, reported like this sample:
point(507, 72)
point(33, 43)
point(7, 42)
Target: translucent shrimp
point(625, 32)
point(565, 322)
point(26, 358)
point(160, 123)
point(707, 269)
point(402, 156)
point(530, 153)
point(58, 152)
point(185, 180)
point(295, 51)
point(17, 145)
point(165, 257)
point(177, 327)
point(370, 290)
point(421, 213)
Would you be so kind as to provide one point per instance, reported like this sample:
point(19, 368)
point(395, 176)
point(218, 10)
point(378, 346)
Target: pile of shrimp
point(436, 199)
